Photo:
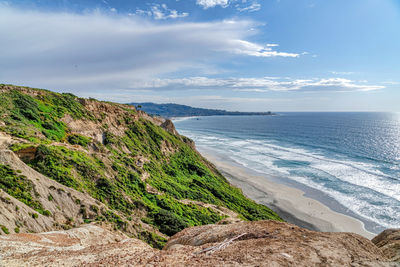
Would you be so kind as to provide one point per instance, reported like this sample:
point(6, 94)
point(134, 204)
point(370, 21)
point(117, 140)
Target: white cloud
point(241, 6)
point(251, 8)
point(391, 83)
point(95, 50)
point(213, 3)
point(257, 84)
point(160, 12)
point(253, 49)
point(342, 72)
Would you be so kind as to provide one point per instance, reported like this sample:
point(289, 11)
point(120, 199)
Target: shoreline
point(290, 203)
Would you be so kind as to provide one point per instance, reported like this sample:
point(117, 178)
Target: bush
point(76, 139)
point(167, 222)
point(46, 213)
point(109, 138)
point(5, 229)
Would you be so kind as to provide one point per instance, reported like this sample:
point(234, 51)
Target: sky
point(246, 55)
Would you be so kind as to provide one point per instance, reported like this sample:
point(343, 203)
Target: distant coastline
point(175, 111)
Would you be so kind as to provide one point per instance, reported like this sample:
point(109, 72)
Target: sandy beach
point(290, 203)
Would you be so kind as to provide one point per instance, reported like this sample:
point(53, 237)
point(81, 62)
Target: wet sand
point(290, 203)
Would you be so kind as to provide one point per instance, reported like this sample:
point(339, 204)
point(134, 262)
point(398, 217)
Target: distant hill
point(176, 110)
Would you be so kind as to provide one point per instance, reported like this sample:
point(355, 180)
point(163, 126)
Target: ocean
point(351, 159)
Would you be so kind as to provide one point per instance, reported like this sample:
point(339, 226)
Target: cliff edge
point(262, 243)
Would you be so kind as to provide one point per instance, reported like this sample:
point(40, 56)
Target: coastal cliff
point(67, 161)
point(85, 182)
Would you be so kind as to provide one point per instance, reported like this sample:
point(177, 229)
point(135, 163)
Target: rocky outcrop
point(169, 126)
point(110, 114)
point(271, 243)
point(389, 242)
point(27, 154)
point(88, 245)
point(262, 243)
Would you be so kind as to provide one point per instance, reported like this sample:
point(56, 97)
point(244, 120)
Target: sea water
point(352, 158)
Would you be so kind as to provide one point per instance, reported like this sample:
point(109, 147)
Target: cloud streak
point(251, 8)
point(258, 84)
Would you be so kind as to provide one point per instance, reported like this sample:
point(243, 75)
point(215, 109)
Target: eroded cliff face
point(262, 243)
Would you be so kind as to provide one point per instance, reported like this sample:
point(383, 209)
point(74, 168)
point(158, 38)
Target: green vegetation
point(153, 239)
point(19, 146)
point(119, 171)
point(76, 139)
point(46, 213)
point(19, 187)
point(26, 116)
point(60, 164)
point(126, 193)
point(16, 229)
point(4, 229)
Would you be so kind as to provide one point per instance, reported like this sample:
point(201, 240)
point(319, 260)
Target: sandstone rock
point(27, 154)
point(389, 242)
point(271, 243)
point(263, 243)
point(169, 127)
point(89, 245)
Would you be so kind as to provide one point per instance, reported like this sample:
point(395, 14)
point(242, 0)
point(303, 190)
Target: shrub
point(76, 139)
point(168, 222)
point(109, 138)
point(46, 213)
point(4, 229)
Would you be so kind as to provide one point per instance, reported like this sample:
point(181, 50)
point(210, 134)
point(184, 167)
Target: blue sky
point(250, 55)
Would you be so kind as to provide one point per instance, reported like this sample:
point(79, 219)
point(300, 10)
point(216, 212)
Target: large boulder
point(389, 242)
point(271, 243)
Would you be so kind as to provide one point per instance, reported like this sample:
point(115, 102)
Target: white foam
point(370, 182)
point(179, 119)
